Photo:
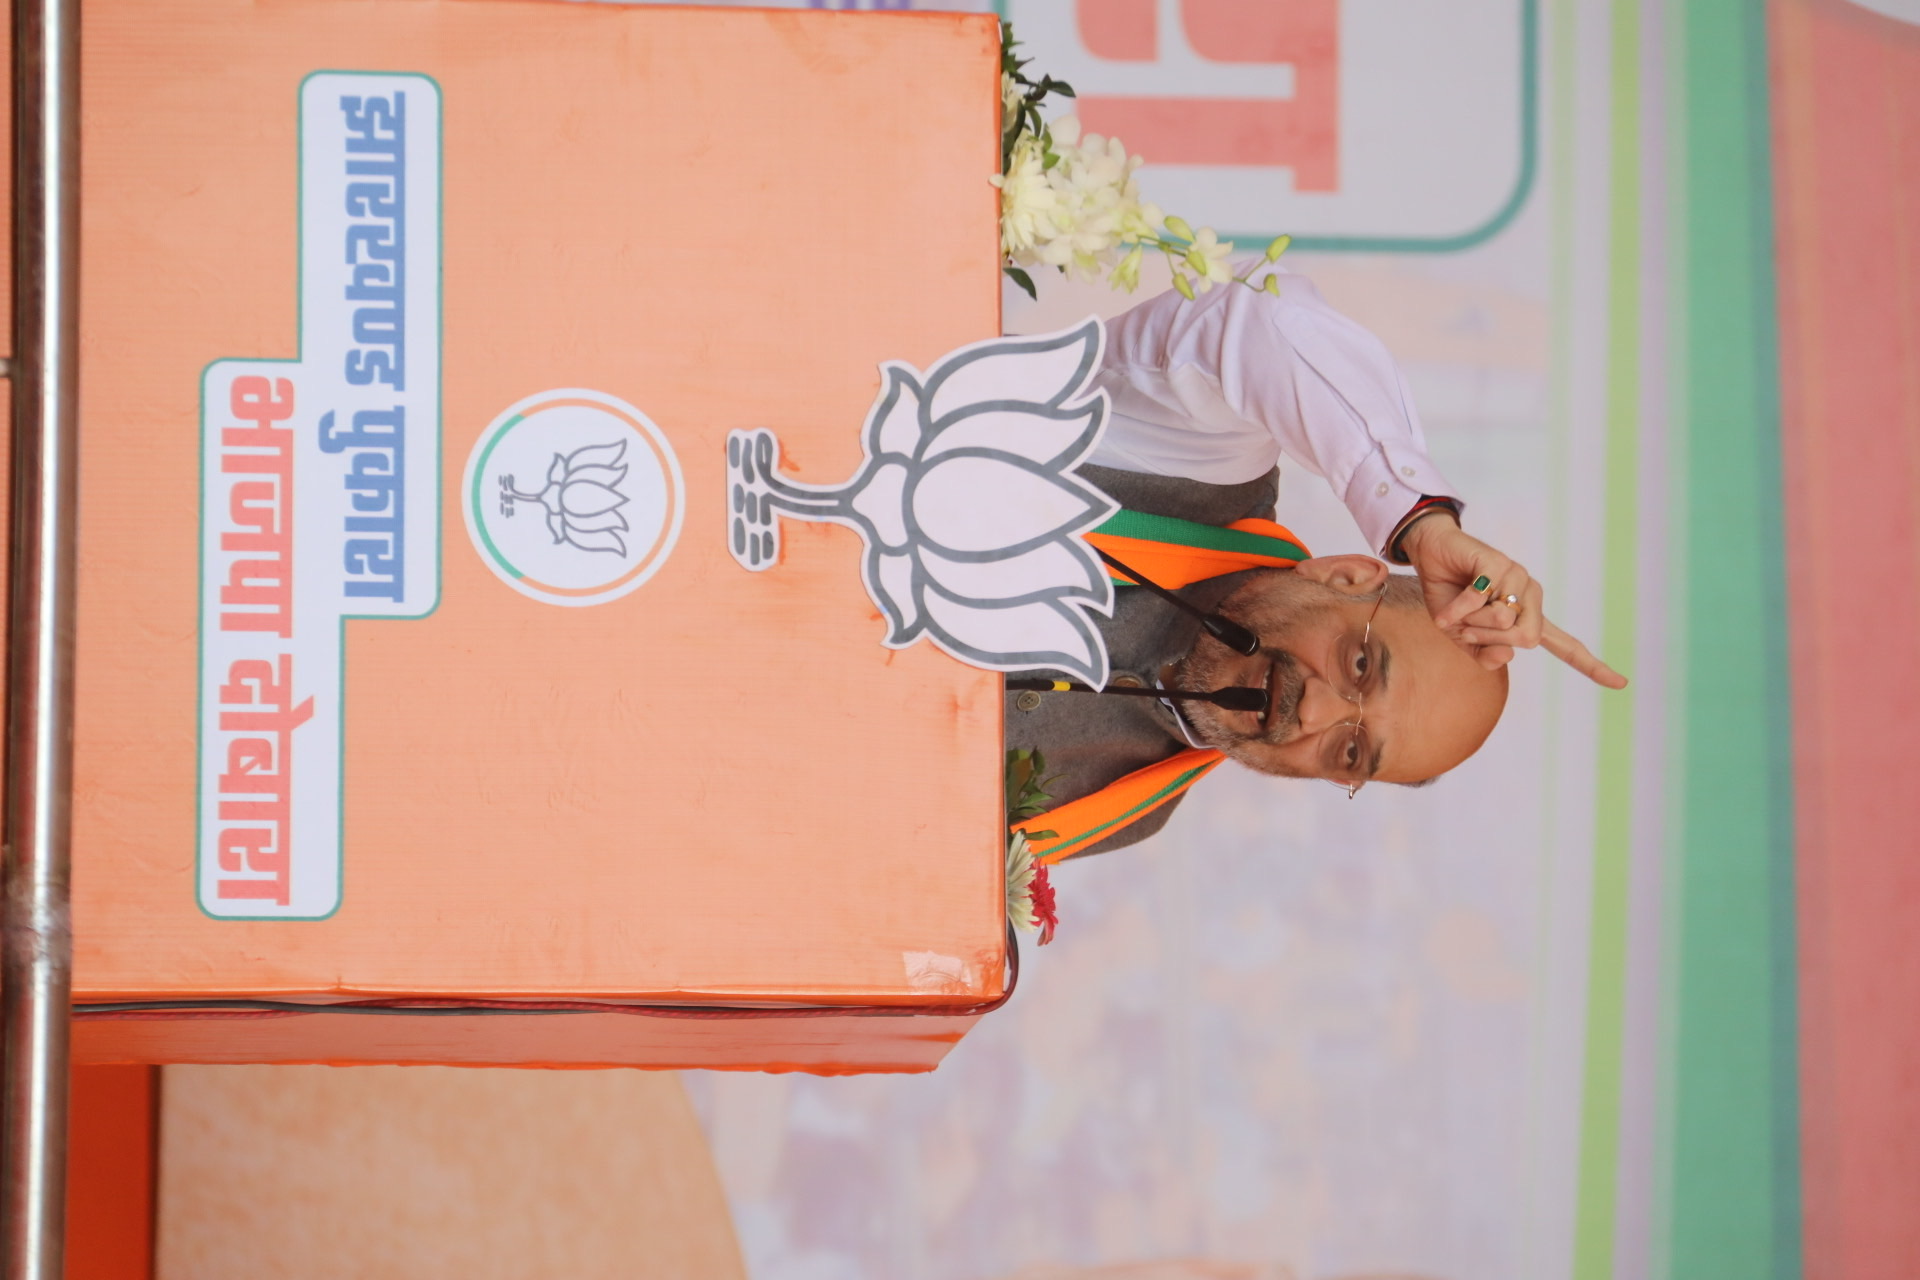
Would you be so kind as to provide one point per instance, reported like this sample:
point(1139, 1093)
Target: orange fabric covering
point(1174, 566)
point(1092, 818)
point(652, 799)
point(113, 1117)
point(834, 1045)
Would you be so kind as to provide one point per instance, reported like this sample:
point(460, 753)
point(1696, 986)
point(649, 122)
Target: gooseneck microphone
point(1235, 698)
point(1225, 630)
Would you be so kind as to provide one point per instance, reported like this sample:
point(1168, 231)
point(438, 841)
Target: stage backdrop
point(1624, 995)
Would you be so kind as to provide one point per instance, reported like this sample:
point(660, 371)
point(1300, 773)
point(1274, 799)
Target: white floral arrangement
point(1068, 200)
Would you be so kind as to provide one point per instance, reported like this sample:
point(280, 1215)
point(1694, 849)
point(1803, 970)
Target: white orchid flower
point(968, 502)
point(1208, 258)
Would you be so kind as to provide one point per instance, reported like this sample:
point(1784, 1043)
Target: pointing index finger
point(1579, 657)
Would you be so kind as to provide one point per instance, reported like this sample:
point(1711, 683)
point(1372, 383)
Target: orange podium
point(424, 713)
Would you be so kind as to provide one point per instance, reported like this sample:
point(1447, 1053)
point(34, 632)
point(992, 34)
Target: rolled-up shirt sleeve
point(1218, 389)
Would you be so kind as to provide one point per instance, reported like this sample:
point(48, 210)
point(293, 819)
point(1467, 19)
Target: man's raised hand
point(1450, 561)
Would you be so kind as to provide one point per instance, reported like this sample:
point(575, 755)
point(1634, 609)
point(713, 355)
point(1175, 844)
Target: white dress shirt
point(1217, 389)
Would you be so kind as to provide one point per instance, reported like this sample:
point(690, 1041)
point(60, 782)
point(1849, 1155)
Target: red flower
point(1041, 896)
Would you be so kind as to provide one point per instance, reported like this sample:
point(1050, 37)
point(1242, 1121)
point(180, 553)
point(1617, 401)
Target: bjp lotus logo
point(968, 501)
point(573, 497)
point(582, 498)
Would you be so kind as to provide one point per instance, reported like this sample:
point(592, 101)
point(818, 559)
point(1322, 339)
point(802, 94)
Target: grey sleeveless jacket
point(1090, 741)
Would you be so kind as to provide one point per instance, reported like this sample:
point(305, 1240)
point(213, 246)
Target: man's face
point(1424, 704)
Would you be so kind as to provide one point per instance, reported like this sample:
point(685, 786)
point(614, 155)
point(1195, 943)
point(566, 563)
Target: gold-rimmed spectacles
point(1346, 756)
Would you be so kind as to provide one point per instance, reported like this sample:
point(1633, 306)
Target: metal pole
point(36, 937)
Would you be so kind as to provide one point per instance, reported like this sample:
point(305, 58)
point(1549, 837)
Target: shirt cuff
point(1385, 486)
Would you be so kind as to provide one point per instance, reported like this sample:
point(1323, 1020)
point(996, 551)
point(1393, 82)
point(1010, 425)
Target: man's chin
point(1238, 733)
point(1207, 723)
point(1203, 720)
point(1257, 754)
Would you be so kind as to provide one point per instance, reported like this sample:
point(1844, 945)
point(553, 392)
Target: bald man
point(1207, 395)
point(1361, 684)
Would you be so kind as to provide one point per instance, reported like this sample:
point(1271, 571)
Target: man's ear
point(1350, 575)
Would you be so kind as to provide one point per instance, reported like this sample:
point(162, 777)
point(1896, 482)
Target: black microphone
point(1234, 698)
point(1225, 630)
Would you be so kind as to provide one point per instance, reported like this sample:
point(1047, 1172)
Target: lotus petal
point(890, 583)
point(1046, 635)
point(585, 498)
point(597, 520)
point(598, 540)
point(893, 424)
point(986, 505)
point(597, 455)
point(608, 476)
point(1050, 437)
point(881, 499)
point(1047, 370)
point(1061, 569)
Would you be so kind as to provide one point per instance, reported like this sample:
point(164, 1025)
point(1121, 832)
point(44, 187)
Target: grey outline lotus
point(939, 449)
point(582, 497)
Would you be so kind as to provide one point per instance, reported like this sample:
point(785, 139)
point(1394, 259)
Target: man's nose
point(1322, 707)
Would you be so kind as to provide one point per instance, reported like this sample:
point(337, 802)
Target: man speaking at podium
point(1367, 675)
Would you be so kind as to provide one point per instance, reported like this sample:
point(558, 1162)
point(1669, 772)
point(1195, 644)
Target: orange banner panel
point(412, 336)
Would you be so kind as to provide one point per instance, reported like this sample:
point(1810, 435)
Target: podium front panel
point(449, 266)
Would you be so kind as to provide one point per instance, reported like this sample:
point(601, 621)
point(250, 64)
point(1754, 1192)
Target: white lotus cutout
point(968, 501)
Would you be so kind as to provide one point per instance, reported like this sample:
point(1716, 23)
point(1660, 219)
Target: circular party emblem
point(573, 497)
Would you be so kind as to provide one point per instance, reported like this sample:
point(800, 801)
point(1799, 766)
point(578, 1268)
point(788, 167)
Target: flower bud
point(1278, 247)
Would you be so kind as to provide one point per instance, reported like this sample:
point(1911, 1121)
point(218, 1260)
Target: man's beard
point(1205, 669)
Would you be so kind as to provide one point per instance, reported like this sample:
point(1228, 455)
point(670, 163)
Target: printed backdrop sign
point(1349, 124)
point(319, 495)
point(449, 687)
point(1355, 120)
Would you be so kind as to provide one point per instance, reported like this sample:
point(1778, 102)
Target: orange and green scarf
point(1172, 553)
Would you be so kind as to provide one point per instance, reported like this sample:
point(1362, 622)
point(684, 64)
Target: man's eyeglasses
point(1346, 754)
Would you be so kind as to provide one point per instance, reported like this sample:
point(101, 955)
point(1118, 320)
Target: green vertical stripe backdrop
point(1614, 800)
point(1731, 1128)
